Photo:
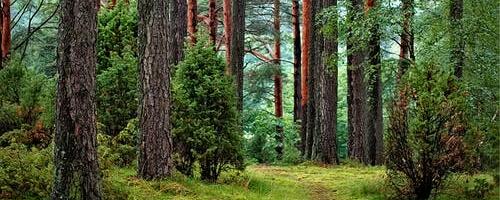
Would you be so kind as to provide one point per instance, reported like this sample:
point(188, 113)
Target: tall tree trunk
point(228, 32)
point(325, 141)
point(181, 24)
point(356, 86)
point(457, 38)
point(112, 4)
point(77, 170)
point(155, 146)
point(374, 146)
point(306, 44)
point(406, 53)
point(192, 19)
point(1, 36)
point(278, 87)
point(6, 39)
point(212, 22)
point(296, 61)
point(238, 47)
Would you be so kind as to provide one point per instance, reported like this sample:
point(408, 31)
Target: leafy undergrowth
point(279, 182)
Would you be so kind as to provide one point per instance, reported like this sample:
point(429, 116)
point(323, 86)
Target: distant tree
point(155, 145)
point(278, 82)
point(6, 38)
point(212, 22)
point(407, 52)
point(192, 20)
point(238, 48)
point(297, 51)
point(76, 167)
point(457, 40)
point(177, 30)
point(228, 32)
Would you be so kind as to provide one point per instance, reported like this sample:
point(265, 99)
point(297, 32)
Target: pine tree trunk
point(155, 142)
point(457, 38)
point(406, 55)
point(306, 44)
point(6, 39)
point(228, 32)
point(278, 87)
point(296, 61)
point(76, 167)
point(212, 22)
point(374, 146)
point(326, 151)
point(356, 87)
point(238, 47)
point(192, 19)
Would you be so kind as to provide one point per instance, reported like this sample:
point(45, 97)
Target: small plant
point(480, 189)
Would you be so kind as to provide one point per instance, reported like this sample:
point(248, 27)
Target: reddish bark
point(192, 15)
point(6, 39)
point(212, 21)
point(306, 44)
point(228, 32)
point(113, 4)
point(278, 83)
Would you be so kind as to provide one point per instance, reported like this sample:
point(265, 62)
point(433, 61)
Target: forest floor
point(258, 182)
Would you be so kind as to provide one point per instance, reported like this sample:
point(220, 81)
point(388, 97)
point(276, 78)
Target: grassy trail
point(263, 182)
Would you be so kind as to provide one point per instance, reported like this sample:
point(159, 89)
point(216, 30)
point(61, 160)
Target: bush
point(25, 173)
point(479, 190)
point(426, 132)
point(206, 122)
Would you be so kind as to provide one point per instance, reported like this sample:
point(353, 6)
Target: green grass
point(258, 182)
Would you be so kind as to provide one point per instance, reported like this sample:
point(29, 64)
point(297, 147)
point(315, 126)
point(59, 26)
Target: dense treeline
point(203, 87)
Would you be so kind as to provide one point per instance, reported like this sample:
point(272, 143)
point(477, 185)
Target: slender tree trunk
point(6, 39)
point(406, 55)
point(356, 86)
point(374, 146)
point(306, 44)
point(192, 19)
point(1, 37)
point(112, 4)
point(325, 142)
point(155, 146)
point(278, 87)
point(181, 33)
point(228, 32)
point(238, 47)
point(457, 38)
point(296, 61)
point(76, 167)
point(212, 22)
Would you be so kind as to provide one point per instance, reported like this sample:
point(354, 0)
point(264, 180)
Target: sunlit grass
point(345, 182)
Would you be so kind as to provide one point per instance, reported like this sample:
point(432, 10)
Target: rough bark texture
point(296, 61)
point(212, 21)
point(325, 142)
point(192, 17)
point(238, 47)
point(306, 44)
point(374, 146)
point(226, 5)
point(278, 83)
point(356, 100)
point(76, 167)
point(406, 55)
point(457, 38)
point(155, 145)
point(6, 39)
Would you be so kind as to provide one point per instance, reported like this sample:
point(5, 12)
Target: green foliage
point(206, 122)
point(425, 140)
point(27, 100)
point(120, 150)
point(25, 173)
point(479, 190)
point(118, 92)
point(117, 79)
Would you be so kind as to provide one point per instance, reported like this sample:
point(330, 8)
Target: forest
point(250, 99)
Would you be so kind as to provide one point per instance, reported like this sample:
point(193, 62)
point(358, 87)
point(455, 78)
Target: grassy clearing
point(300, 182)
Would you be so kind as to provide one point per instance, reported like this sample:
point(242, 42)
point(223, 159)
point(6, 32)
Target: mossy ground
point(262, 182)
